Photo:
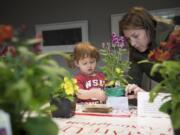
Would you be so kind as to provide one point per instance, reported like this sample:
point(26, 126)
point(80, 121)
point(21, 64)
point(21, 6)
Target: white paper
point(5, 126)
point(146, 108)
point(118, 103)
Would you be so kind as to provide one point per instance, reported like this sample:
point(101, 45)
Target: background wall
point(97, 12)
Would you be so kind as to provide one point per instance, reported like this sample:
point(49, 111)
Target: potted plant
point(26, 83)
point(64, 98)
point(167, 63)
point(114, 56)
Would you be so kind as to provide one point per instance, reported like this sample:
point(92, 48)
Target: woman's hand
point(131, 91)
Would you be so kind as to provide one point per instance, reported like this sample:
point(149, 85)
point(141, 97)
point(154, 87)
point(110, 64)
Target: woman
point(144, 34)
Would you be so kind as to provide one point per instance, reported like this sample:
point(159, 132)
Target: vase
point(64, 107)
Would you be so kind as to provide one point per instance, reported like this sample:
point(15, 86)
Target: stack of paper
point(146, 108)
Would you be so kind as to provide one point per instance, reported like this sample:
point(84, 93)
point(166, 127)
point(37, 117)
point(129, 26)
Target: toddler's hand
point(99, 94)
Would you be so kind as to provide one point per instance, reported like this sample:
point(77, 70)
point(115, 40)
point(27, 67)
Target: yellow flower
point(74, 81)
point(110, 83)
point(75, 84)
point(119, 71)
point(70, 86)
point(76, 88)
point(66, 79)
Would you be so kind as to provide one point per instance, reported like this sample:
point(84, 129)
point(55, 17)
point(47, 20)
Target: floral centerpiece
point(27, 80)
point(116, 65)
point(167, 63)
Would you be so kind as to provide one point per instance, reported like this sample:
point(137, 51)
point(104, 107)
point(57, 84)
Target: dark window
point(62, 37)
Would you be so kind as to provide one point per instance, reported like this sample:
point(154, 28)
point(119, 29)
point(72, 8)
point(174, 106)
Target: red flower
point(6, 32)
point(174, 37)
point(167, 50)
point(9, 46)
point(159, 55)
point(8, 49)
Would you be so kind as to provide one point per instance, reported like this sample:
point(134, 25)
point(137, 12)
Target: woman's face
point(138, 38)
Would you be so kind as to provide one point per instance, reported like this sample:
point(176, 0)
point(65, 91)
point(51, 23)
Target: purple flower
point(118, 41)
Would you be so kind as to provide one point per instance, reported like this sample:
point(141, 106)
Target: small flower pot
point(115, 91)
point(65, 108)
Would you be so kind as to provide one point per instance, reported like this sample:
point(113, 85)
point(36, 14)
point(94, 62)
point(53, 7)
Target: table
point(116, 123)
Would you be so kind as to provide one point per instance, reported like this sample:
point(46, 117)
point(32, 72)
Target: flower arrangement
point(167, 63)
point(115, 67)
point(28, 79)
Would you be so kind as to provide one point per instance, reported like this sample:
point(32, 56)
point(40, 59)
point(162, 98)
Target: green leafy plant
point(115, 68)
point(170, 71)
point(26, 83)
point(167, 63)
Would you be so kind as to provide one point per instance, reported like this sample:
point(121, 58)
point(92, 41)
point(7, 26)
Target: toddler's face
point(87, 65)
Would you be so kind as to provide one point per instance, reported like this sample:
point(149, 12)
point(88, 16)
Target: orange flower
point(159, 55)
point(163, 55)
point(6, 32)
point(167, 50)
point(152, 56)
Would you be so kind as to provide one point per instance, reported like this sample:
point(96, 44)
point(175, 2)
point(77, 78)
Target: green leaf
point(41, 126)
point(154, 92)
point(175, 117)
point(143, 61)
point(155, 68)
point(45, 55)
point(166, 107)
point(19, 91)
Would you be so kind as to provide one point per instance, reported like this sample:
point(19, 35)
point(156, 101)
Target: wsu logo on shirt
point(94, 83)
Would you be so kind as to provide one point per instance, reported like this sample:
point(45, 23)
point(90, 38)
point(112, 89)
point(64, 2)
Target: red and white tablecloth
point(114, 123)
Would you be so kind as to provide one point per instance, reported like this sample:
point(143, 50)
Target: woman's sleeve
point(136, 73)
